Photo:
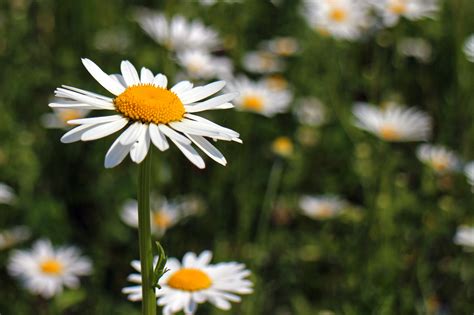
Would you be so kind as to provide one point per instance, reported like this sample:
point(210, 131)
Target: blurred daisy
point(60, 117)
point(194, 282)
point(276, 82)
point(469, 48)
point(465, 237)
point(200, 64)
point(282, 46)
point(311, 112)
point(151, 112)
point(259, 98)
point(7, 196)
point(112, 40)
point(418, 48)
point(262, 62)
point(393, 123)
point(14, 236)
point(177, 33)
point(439, 158)
point(392, 10)
point(45, 271)
point(321, 207)
point(469, 172)
point(283, 146)
point(342, 19)
point(164, 214)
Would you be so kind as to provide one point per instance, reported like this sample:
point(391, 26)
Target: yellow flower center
point(189, 279)
point(389, 133)
point(286, 46)
point(161, 219)
point(149, 104)
point(51, 267)
point(338, 15)
point(398, 7)
point(276, 82)
point(283, 146)
point(69, 114)
point(253, 103)
point(325, 211)
point(440, 165)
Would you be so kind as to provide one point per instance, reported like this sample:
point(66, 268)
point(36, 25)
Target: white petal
point(146, 76)
point(211, 103)
point(89, 93)
point(130, 135)
point(182, 87)
point(191, 127)
point(130, 74)
point(140, 148)
point(201, 92)
point(75, 105)
point(83, 98)
point(75, 134)
point(158, 139)
point(190, 153)
point(94, 120)
point(173, 135)
point(160, 81)
point(103, 78)
point(208, 148)
point(116, 154)
point(119, 78)
point(104, 130)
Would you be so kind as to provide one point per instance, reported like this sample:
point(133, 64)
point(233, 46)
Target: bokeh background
point(390, 252)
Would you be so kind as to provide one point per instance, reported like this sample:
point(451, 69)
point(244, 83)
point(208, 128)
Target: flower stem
point(144, 237)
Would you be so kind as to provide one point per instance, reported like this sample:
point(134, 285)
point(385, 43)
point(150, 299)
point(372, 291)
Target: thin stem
point(144, 237)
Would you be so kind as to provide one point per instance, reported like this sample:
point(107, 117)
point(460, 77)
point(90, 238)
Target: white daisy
point(465, 237)
point(151, 112)
point(392, 10)
point(342, 19)
point(469, 48)
point(393, 123)
point(200, 64)
point(164, 214)
point(282, 46)
point(7, 195)
point(469, 172)
point(321, 207)
point(418, 48)
point(194, 282)
point(60, 116)
point(45, 271)
point(177, 33)
point(14, 236)
point(439, 158)
point(262, 62)
point(311, 112)
point(259, 98)
point(276, 82)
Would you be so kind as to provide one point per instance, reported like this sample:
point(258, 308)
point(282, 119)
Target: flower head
point(45, 270)
point(469, 48)
point(439, 158)
point(7, 195)
point(259, 98)
point(262, 62)
point(465, 237)
point(200, 64)
point(151, 112)
point(282, 46)
point(418, 48)
point(469, 172)
point(311, 112)
point(193, 282)
point(392, 10)
point(393, 123)
point(321, 207)
point(14, 236)
point(60, 116)
point(283, 146)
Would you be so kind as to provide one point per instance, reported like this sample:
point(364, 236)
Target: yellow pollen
point(325, 211)
point(253, 102)
point(338, 15)
point(51, 266)
point(189, 279)
point(286, 46)
point(282, 146)
point(276, 82)
point(389, 133)
point(68, 114)
point(440, 165)
point(398, 7)
point(161, 219)
point(149, 104)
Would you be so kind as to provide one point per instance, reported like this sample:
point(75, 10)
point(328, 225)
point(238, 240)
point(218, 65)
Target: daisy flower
point(7, 196)
point(392, 10)
point(469, 172)
point(342, 19)
point(439, 158)
point(418, 48)
point(465, 237)
point(164, 214)
point(275, 82)
point(393, 123)
point(60, 117)
point(311, 112)
point(200, 64)
point(259, 98)
point(151, 112)
point(469, 48)
point(321, 207)
point(283, 146)
point(282, 46)
point(177, 33)
point(14, 236)
point(262, 62)
point(45, 270)
point(193, 282)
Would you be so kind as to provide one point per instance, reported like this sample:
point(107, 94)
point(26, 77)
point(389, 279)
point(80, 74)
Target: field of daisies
point(287, 157)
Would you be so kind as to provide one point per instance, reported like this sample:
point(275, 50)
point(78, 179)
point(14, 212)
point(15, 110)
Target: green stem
point(144, 237)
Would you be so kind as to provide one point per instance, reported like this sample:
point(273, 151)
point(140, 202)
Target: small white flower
point(150, 112)
point(439, 158)
point(465, 237)
point(177, 33)
point(14, 236)
point(164, 214)
point(321, 207)
point(282, 46)
point(392, 10)
point(342, 19)
point(259, 98)
point(311, 112)
point(60, 116)
point(418, 48)
point(469, 48)
point(393, 123)
point(469, 172)
point(262, 62)
point(7, 195)
point(200, 64)
point(45, 270)
point(194, 282)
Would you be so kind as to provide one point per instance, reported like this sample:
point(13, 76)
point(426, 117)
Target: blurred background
point(382, 242)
